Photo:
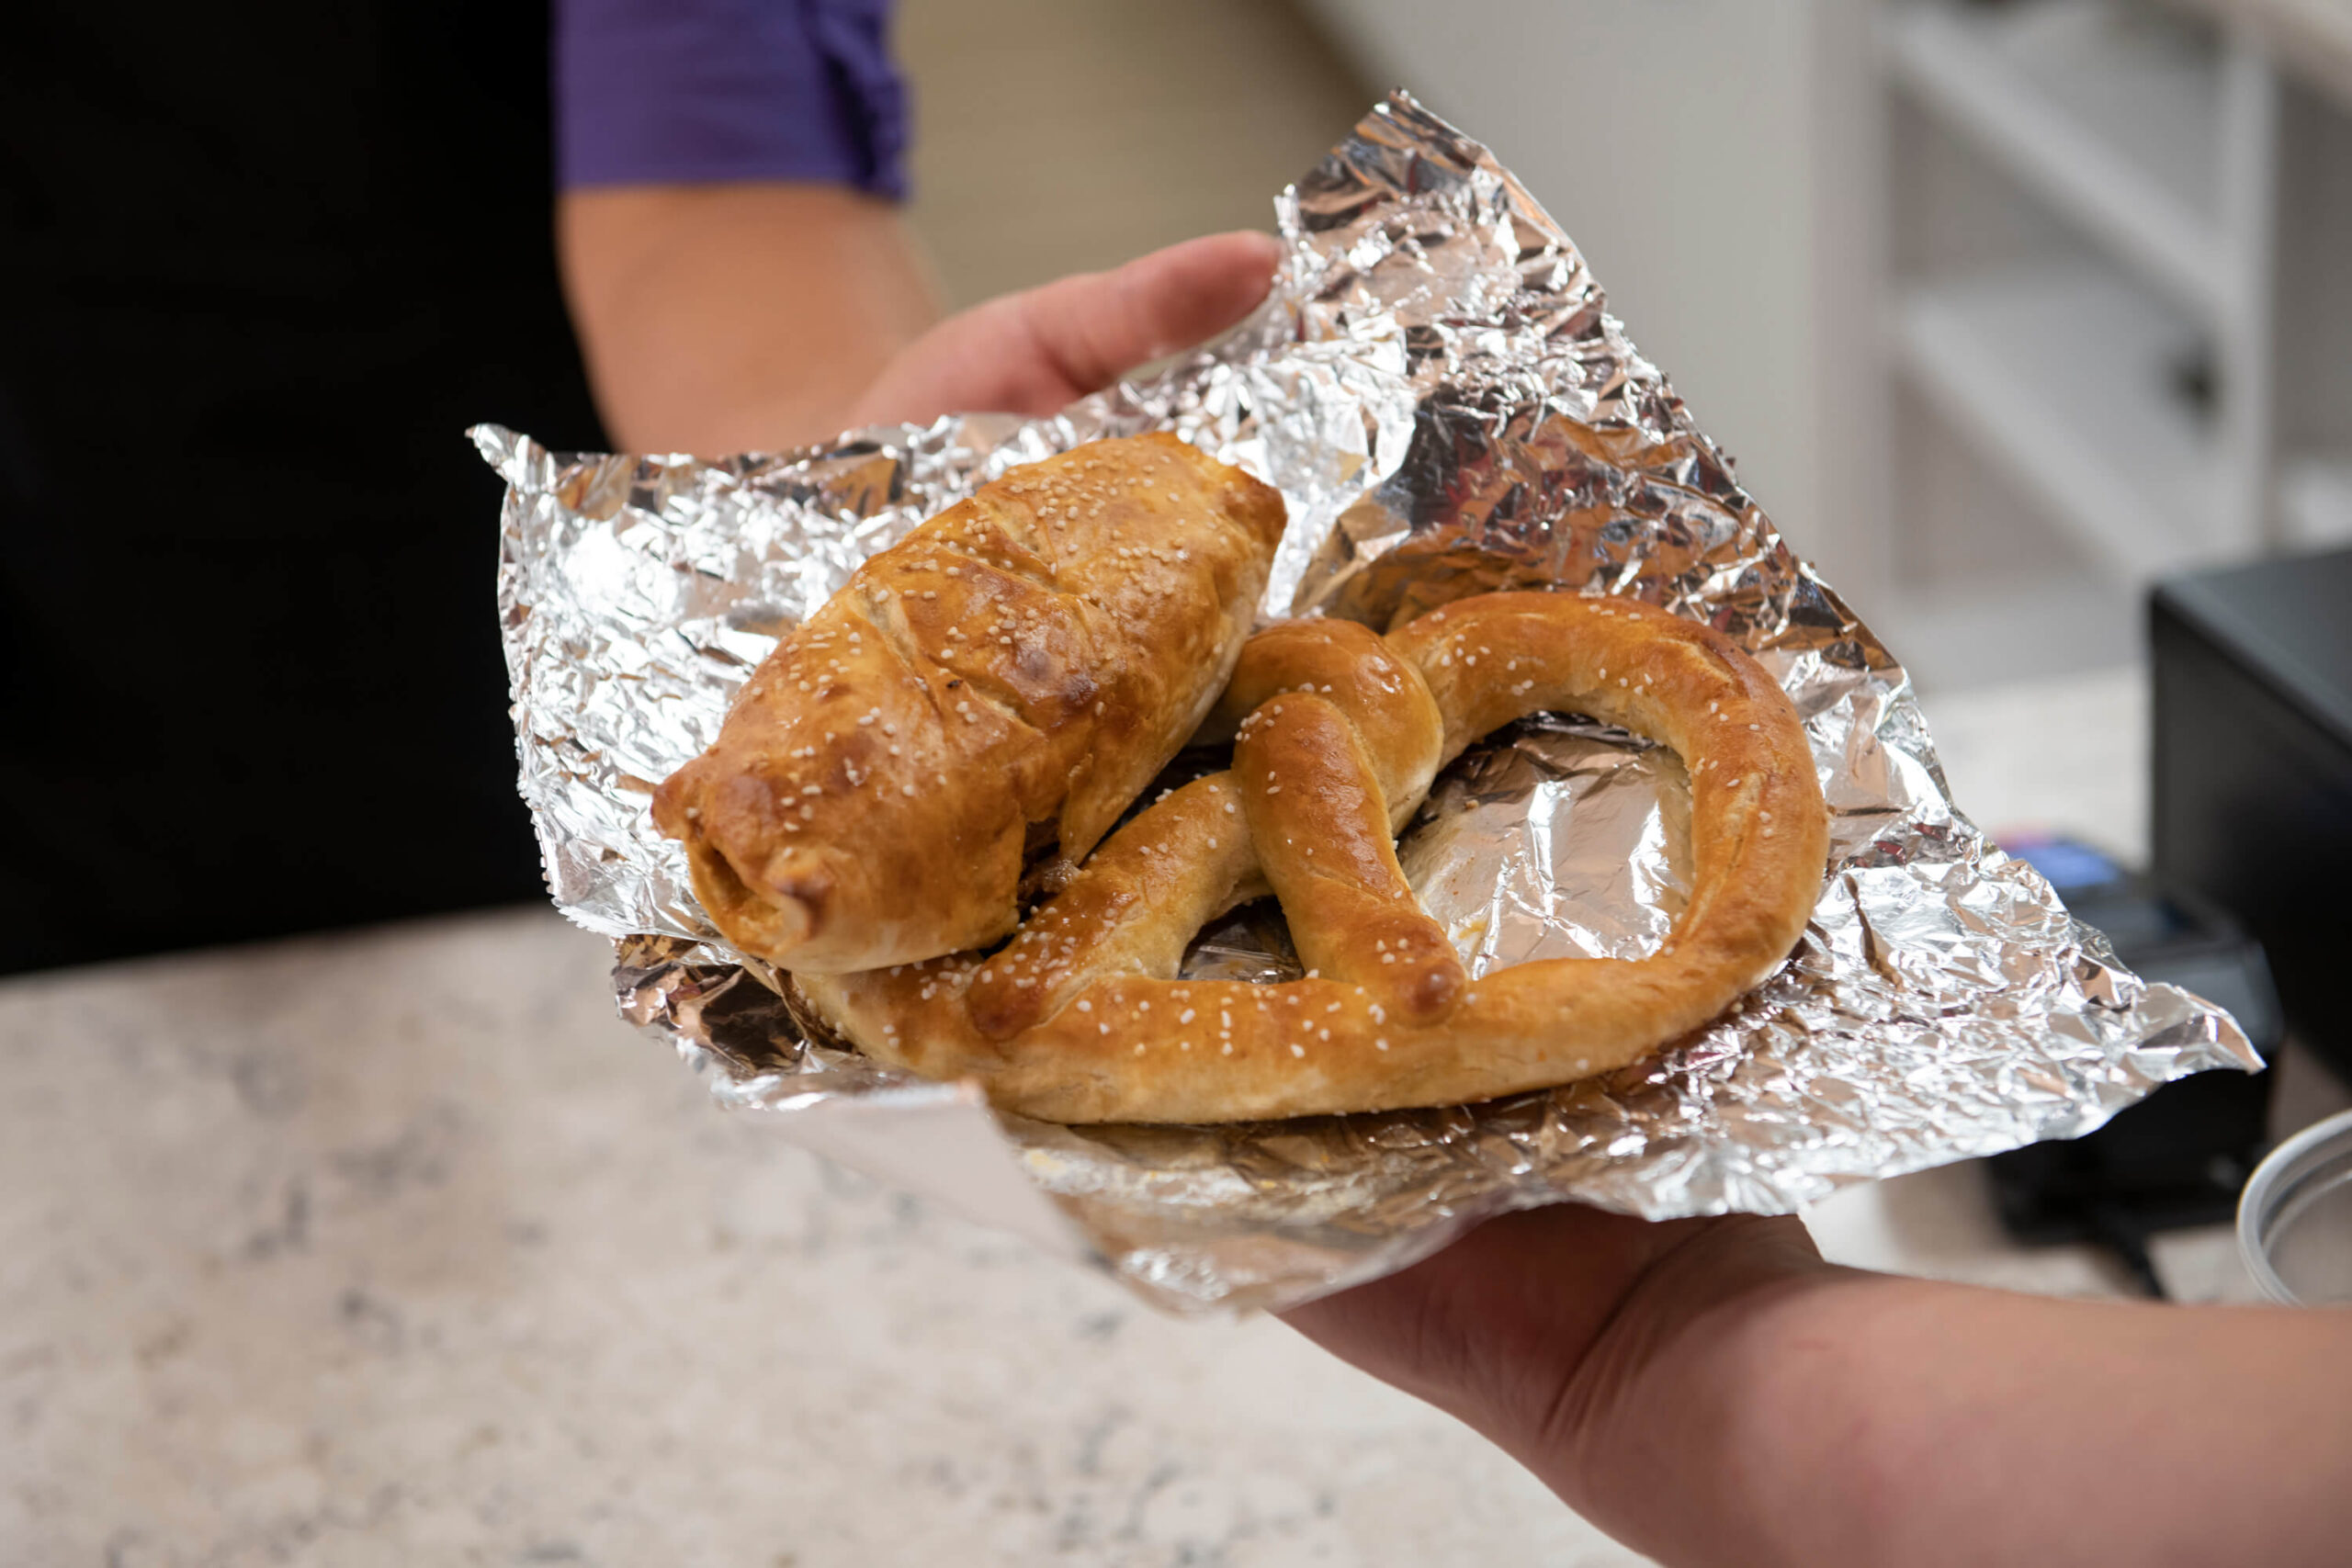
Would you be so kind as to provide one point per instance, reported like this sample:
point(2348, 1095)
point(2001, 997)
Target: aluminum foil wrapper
point(1439, 391)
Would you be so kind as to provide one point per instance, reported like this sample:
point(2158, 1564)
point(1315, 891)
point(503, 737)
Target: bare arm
point(730, 318)
point(1711, 1393)
point(747, 317)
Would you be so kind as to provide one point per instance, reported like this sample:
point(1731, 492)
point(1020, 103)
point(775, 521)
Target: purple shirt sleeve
point(663, 92)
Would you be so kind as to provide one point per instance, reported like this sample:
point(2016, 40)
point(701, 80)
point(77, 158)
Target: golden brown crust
point(1079, 1017)
point(1032, 656)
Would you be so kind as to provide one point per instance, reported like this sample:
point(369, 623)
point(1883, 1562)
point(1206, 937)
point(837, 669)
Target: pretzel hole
point(1043, 871)
point(1568, 838)
point(1615, 802)
point(1251, 941)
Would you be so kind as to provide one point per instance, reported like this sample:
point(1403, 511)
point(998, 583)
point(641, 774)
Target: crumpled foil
point(1437, 390)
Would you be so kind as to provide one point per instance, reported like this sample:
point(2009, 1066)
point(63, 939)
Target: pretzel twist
point(1339, 732)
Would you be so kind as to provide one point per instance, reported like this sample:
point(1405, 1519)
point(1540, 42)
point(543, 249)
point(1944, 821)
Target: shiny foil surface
point(1437, 388)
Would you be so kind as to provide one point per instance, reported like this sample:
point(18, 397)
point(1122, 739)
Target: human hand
point(1036, 351)
point(1536, 1327)
point(1709, 1392)
point(751, 317)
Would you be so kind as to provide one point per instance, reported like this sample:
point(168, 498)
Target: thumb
point(1093, 327)
point(1036, 351)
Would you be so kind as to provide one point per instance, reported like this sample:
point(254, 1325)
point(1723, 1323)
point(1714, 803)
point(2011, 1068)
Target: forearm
point(731, 318)
point(1820, 1415)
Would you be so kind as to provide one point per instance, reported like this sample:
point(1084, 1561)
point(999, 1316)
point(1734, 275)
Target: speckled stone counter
point(398, 1248)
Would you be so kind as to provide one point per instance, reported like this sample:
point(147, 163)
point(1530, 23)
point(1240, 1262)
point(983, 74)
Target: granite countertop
point(395, 1246)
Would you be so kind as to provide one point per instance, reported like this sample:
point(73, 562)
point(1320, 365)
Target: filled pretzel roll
point(1338, 733)
point(991, 691)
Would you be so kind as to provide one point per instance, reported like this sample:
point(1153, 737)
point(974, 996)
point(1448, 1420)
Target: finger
point(1034, 352)
point(1093, 327)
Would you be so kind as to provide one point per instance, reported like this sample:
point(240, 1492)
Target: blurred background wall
point(1056, 136)
point(2006, 308)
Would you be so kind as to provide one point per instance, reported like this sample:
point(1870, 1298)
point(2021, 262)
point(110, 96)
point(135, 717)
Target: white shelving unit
point(2120, 134)
point(2315, 501)
point(2060, 373)
point(2115, 349)
point(2156, 143)
point(2009, 306)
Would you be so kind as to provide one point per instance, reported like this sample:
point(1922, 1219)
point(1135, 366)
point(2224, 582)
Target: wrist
point(1631, 1423)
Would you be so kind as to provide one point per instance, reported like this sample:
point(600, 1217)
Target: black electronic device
point(2248, 901)
point(2252, 769)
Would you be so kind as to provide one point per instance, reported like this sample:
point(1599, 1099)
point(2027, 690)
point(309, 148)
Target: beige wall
point(1054, 136)
point(1691, 147)
point(1709, 157)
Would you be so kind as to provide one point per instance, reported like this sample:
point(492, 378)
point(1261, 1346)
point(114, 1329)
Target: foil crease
point(1438, 389)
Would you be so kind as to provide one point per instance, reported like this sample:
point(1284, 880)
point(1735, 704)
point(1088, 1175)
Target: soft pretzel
point(996, 688)
point(1339, 732)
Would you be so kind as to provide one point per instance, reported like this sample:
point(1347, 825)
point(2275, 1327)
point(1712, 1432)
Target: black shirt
point(260, 267)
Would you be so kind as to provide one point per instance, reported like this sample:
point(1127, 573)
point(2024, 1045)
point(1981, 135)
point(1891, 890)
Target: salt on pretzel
point(1007, 677)
point(1339, 732)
